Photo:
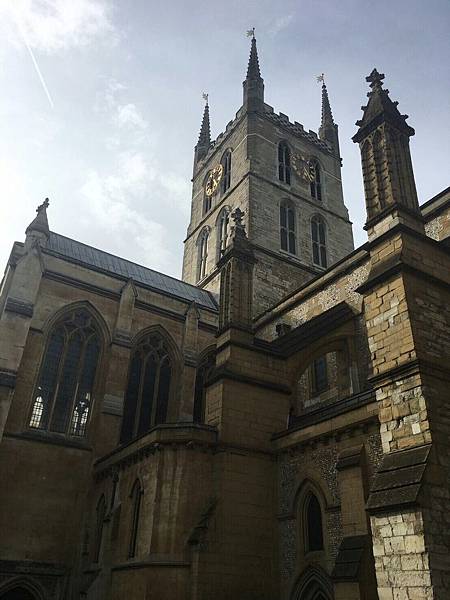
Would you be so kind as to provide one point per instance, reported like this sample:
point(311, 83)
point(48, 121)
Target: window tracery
point(63, 397)
point(148, 388)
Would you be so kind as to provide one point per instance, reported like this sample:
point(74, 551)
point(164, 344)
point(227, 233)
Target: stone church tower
point(286, 181)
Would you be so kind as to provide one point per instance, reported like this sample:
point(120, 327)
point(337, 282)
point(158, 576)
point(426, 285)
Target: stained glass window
point(148, 388)
point(63, 396)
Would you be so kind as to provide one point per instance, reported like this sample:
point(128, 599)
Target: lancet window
point(287, 228)
point(318, 236)
point(316, 183)
point(226, 164)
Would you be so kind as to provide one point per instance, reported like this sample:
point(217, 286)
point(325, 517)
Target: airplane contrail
point(33, 58)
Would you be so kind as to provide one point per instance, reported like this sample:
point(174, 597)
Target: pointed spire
point(254, 83)
point(39, 224)
point(328, 129)
point(204, 139)
point(327, 115)
point(253, 71)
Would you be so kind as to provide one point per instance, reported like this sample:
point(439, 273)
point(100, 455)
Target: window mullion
point(58, 378)
point(137, 414)
point(155, 393)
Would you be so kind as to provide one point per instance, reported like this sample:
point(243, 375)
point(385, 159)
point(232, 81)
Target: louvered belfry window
point(63, 397)
point(284, 163)
point(287, 228)
point(318, 238)
point(148, 388)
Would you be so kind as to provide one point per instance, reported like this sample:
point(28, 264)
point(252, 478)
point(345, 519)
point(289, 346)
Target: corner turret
point(383, 137)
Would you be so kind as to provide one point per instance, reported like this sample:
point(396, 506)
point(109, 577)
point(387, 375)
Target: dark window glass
point(136, 495)
point(203, 371)
point(226, 177)
point(284, 163)
point(147, 396)
point(207, 204)
point(100, 519)
point(131, 398)
point(316, 186)
point(63, 396)
point(314, 532)
point(203, 255)
point(148, 389)
point(320, 376)
point(287, 229)
point(318, 237)
point(224, 222)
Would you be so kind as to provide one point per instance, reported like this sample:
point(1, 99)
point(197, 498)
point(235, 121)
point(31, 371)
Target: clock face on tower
point(213, 180)
point(304, 167)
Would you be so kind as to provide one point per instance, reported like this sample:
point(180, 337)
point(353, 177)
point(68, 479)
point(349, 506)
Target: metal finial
point(321, 78)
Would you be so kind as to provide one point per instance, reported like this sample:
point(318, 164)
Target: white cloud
point(128, 115)
point(281, 23)
point(54, 25)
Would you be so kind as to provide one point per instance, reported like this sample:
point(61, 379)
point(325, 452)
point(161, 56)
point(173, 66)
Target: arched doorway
point(314, 584)
point(18, 593)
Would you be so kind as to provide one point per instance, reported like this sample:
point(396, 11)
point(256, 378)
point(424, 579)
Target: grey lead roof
point(59, 245)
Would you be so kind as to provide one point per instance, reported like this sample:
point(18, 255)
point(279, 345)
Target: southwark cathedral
point(273, 426)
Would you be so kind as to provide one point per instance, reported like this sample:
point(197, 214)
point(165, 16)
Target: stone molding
point(25, 309)
point(8, 378)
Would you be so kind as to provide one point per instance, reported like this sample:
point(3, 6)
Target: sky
point(101, 102)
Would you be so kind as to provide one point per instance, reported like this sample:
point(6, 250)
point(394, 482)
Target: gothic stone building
point(276, 425)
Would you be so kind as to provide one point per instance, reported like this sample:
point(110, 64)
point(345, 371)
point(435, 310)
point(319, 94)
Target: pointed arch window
point(318, 237)
point(136, 496)
point(313, 524)
point(63, 397)
point(202, 255)
point(226, 177)
point(319, 375)
point(203, 371)
point(284, 163)
point(223, 226)
point(316, 183)
point(100, 519)
point(148, 389)
point(207, 204)
point(287, 228)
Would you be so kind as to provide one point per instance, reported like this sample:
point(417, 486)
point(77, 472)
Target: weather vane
point(205, 97)
point(251, 33)
point(321, 78)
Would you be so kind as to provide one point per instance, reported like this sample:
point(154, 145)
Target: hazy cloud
point(53, 25)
